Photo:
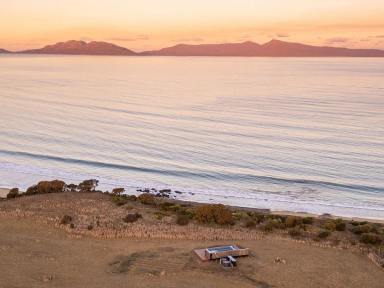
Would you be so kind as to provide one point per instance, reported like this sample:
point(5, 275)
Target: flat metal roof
point(221, 249)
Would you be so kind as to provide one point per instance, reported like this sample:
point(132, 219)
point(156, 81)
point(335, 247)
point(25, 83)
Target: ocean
point(296, 134)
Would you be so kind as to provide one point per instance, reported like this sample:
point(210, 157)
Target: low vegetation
point(214, 213)
point(13, 193)
point(132, 217)
point(66, 219)
point(161, 208)
point(146, 199)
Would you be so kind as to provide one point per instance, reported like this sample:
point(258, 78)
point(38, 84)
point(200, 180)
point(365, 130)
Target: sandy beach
point(3, 192)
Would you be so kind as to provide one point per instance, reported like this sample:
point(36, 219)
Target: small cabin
point(217, 252)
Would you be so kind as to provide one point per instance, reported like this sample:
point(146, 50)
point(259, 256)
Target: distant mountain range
point(4, 51)
point(273, 48)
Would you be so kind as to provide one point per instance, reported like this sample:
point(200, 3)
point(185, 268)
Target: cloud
point(336, 40)
point(127, 39)
point(379, 36)
point(282, 35)
point(85, 38)
point(196, 39)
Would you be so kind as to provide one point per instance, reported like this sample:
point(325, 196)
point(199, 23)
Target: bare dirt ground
point(37, 252)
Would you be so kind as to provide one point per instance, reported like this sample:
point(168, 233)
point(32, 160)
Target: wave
point(197, 174)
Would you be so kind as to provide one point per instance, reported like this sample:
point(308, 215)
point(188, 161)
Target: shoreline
point(4, 192)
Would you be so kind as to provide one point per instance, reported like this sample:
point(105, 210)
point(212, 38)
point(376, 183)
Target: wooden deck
point(201, 254)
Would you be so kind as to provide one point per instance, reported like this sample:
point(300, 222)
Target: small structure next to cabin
point(226, 254)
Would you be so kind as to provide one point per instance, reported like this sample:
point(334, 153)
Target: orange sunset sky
point(149, 24)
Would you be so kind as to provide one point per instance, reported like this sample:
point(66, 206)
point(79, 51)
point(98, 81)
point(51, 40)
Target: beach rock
point(165, 191)
point(178, 192)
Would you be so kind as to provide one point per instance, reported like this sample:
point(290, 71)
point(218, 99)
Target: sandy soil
point(3, 192)
point(35, 251)
point(38, 255)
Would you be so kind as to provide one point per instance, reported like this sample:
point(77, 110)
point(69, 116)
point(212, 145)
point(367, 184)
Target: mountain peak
point(78, 47)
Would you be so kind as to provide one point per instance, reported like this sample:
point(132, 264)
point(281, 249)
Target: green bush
point(13, 193)
point(169, 206)
point(182, 220)
point(271, 224)
point(340, 225)
point(147, 199)
point(370, 238)
point(119, 200)
point(308, 220)
point(324, 234)
point(360, 229)
point(216, 213)
point(189, 212)
point(329, 225)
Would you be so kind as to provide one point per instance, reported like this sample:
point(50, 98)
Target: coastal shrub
point(360, 229)
point(119, 200)
point(189, 212)
point(169, 206)
point(292, 221)
point(329, 225)
point(90, 227)
point(340, 225)
point(217, 213)
point(258, 217)
point(32, 190)
point(66, 219)
point(267, 226)
point(250, 224)
point(55, 186)
point(271, 224)
point(118, 191)
point(294, 232)
point(160, 214)
point(44, 187)
point(13, 193)
point(132, 217)
point(71, 188)
point(88, 185)
point(182, 220)
point(370, 238)
point(240, 215)
point(323, 234)
point(147, 199)
point(308, 220)
point(132, 198)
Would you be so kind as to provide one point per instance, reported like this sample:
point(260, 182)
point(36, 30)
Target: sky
point(150, 24)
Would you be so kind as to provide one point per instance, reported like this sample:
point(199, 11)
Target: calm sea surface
point(300, 134)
